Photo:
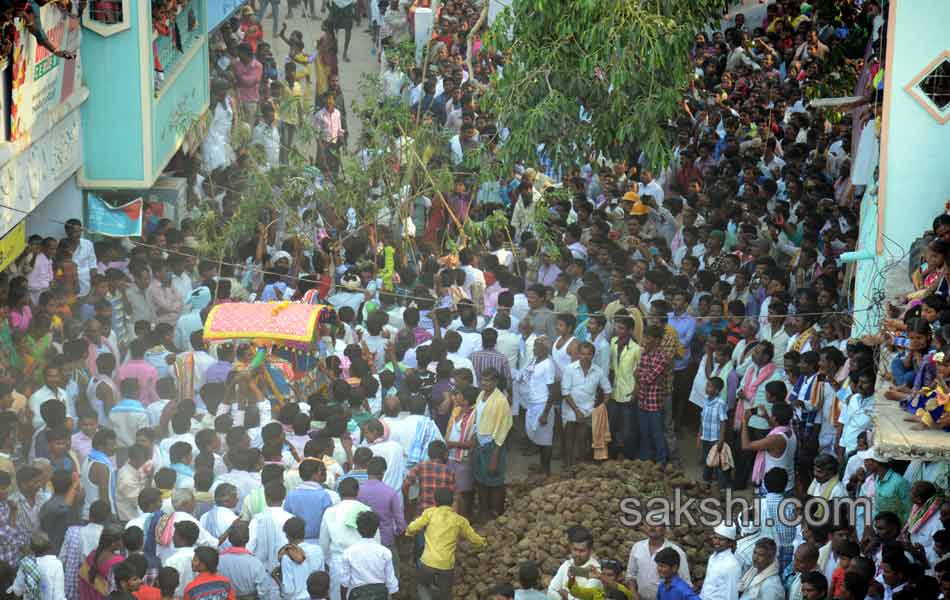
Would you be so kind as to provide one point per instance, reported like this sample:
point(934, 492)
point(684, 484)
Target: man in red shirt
point(431, 475)
point(651, 395)
point(129, 579)
point(251, 27)
point(207, 584)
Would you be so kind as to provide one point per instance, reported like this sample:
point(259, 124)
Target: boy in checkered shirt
point(712, 431)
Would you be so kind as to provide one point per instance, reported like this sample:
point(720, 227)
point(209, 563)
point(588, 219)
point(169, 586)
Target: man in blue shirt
point(310, 500)
point(672, 586)
point(685, 326)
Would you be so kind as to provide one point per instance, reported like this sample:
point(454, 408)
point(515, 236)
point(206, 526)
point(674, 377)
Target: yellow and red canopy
point(271, 321)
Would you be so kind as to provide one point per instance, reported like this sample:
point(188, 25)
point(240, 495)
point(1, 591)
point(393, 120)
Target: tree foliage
point(626, 61)
point(397, 160)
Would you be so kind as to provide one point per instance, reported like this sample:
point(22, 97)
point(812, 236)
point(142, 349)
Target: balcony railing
point(168, 52)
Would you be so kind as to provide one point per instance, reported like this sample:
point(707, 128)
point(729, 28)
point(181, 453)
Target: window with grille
point(107, 12)
point(931, 88)
point(936, 85)
point(107, 17)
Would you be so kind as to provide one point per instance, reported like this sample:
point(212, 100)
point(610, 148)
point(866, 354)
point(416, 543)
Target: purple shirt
point(387, 503)
point(547, 274)
point(460, 204)
point(218, 372)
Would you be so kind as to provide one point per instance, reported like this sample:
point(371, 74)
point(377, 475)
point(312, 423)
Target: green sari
point(38, 349)
point(9, 358)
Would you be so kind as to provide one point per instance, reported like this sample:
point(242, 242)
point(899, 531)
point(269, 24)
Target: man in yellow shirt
point(624, 359)
point(443, 528)
point(288, 97)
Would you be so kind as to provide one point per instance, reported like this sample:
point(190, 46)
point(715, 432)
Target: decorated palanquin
point(286, 334)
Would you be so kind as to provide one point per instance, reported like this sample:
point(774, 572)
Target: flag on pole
point(120, 221)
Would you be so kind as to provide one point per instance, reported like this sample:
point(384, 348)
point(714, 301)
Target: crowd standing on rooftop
point(703, 300)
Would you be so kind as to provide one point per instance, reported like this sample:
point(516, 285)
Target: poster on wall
point(4, 100)
point(114, 221)
point(42, 80)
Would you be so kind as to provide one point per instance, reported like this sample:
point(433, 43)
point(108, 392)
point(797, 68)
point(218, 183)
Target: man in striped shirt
point(361, 458)
point(489, 358)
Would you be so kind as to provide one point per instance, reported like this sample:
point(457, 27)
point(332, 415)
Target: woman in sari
point(37, 342)
point(9, 359)
point(65, 272)
point(460, 439)
point(933, 268)
point(20, 312)
point(912, 369)
point(326, 63)
point(935, 279)
point(95, 580)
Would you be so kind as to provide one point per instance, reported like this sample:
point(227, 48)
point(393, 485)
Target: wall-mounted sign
point(12, 244)
point(42, 80)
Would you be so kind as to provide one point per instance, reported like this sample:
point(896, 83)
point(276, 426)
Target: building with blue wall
point(137, 115)
point(914, 181)
point(40, 130)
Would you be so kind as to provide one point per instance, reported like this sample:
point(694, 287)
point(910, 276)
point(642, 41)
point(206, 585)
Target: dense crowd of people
point(698, 310)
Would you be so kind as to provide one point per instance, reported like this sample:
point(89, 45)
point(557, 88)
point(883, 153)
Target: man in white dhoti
point(539, 381)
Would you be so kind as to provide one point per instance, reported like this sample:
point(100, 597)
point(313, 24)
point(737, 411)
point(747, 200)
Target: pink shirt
point(41, 276)
point(166, 301)
point(81, 445)
point(248, 80)
point(491, 298)
point(330, 124)
point(20, 318)
point(145, 374)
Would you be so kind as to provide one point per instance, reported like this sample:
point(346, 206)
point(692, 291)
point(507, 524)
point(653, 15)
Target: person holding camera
point(578, 569)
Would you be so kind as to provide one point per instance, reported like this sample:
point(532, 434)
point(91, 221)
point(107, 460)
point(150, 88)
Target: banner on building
point(4, 100)
point(423, 30)
point(119, 221)
point(42, 80)
point(12, 244)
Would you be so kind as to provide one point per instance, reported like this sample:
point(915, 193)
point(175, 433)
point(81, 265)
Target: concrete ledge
point(895, 439)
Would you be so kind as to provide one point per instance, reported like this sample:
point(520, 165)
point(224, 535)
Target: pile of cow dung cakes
point(539, 512)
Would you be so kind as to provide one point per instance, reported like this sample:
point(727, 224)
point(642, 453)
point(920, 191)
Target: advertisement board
point(42, 80)
point(12, 244)
point(118, 221)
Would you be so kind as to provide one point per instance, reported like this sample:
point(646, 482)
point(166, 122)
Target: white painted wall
point(62, 204)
